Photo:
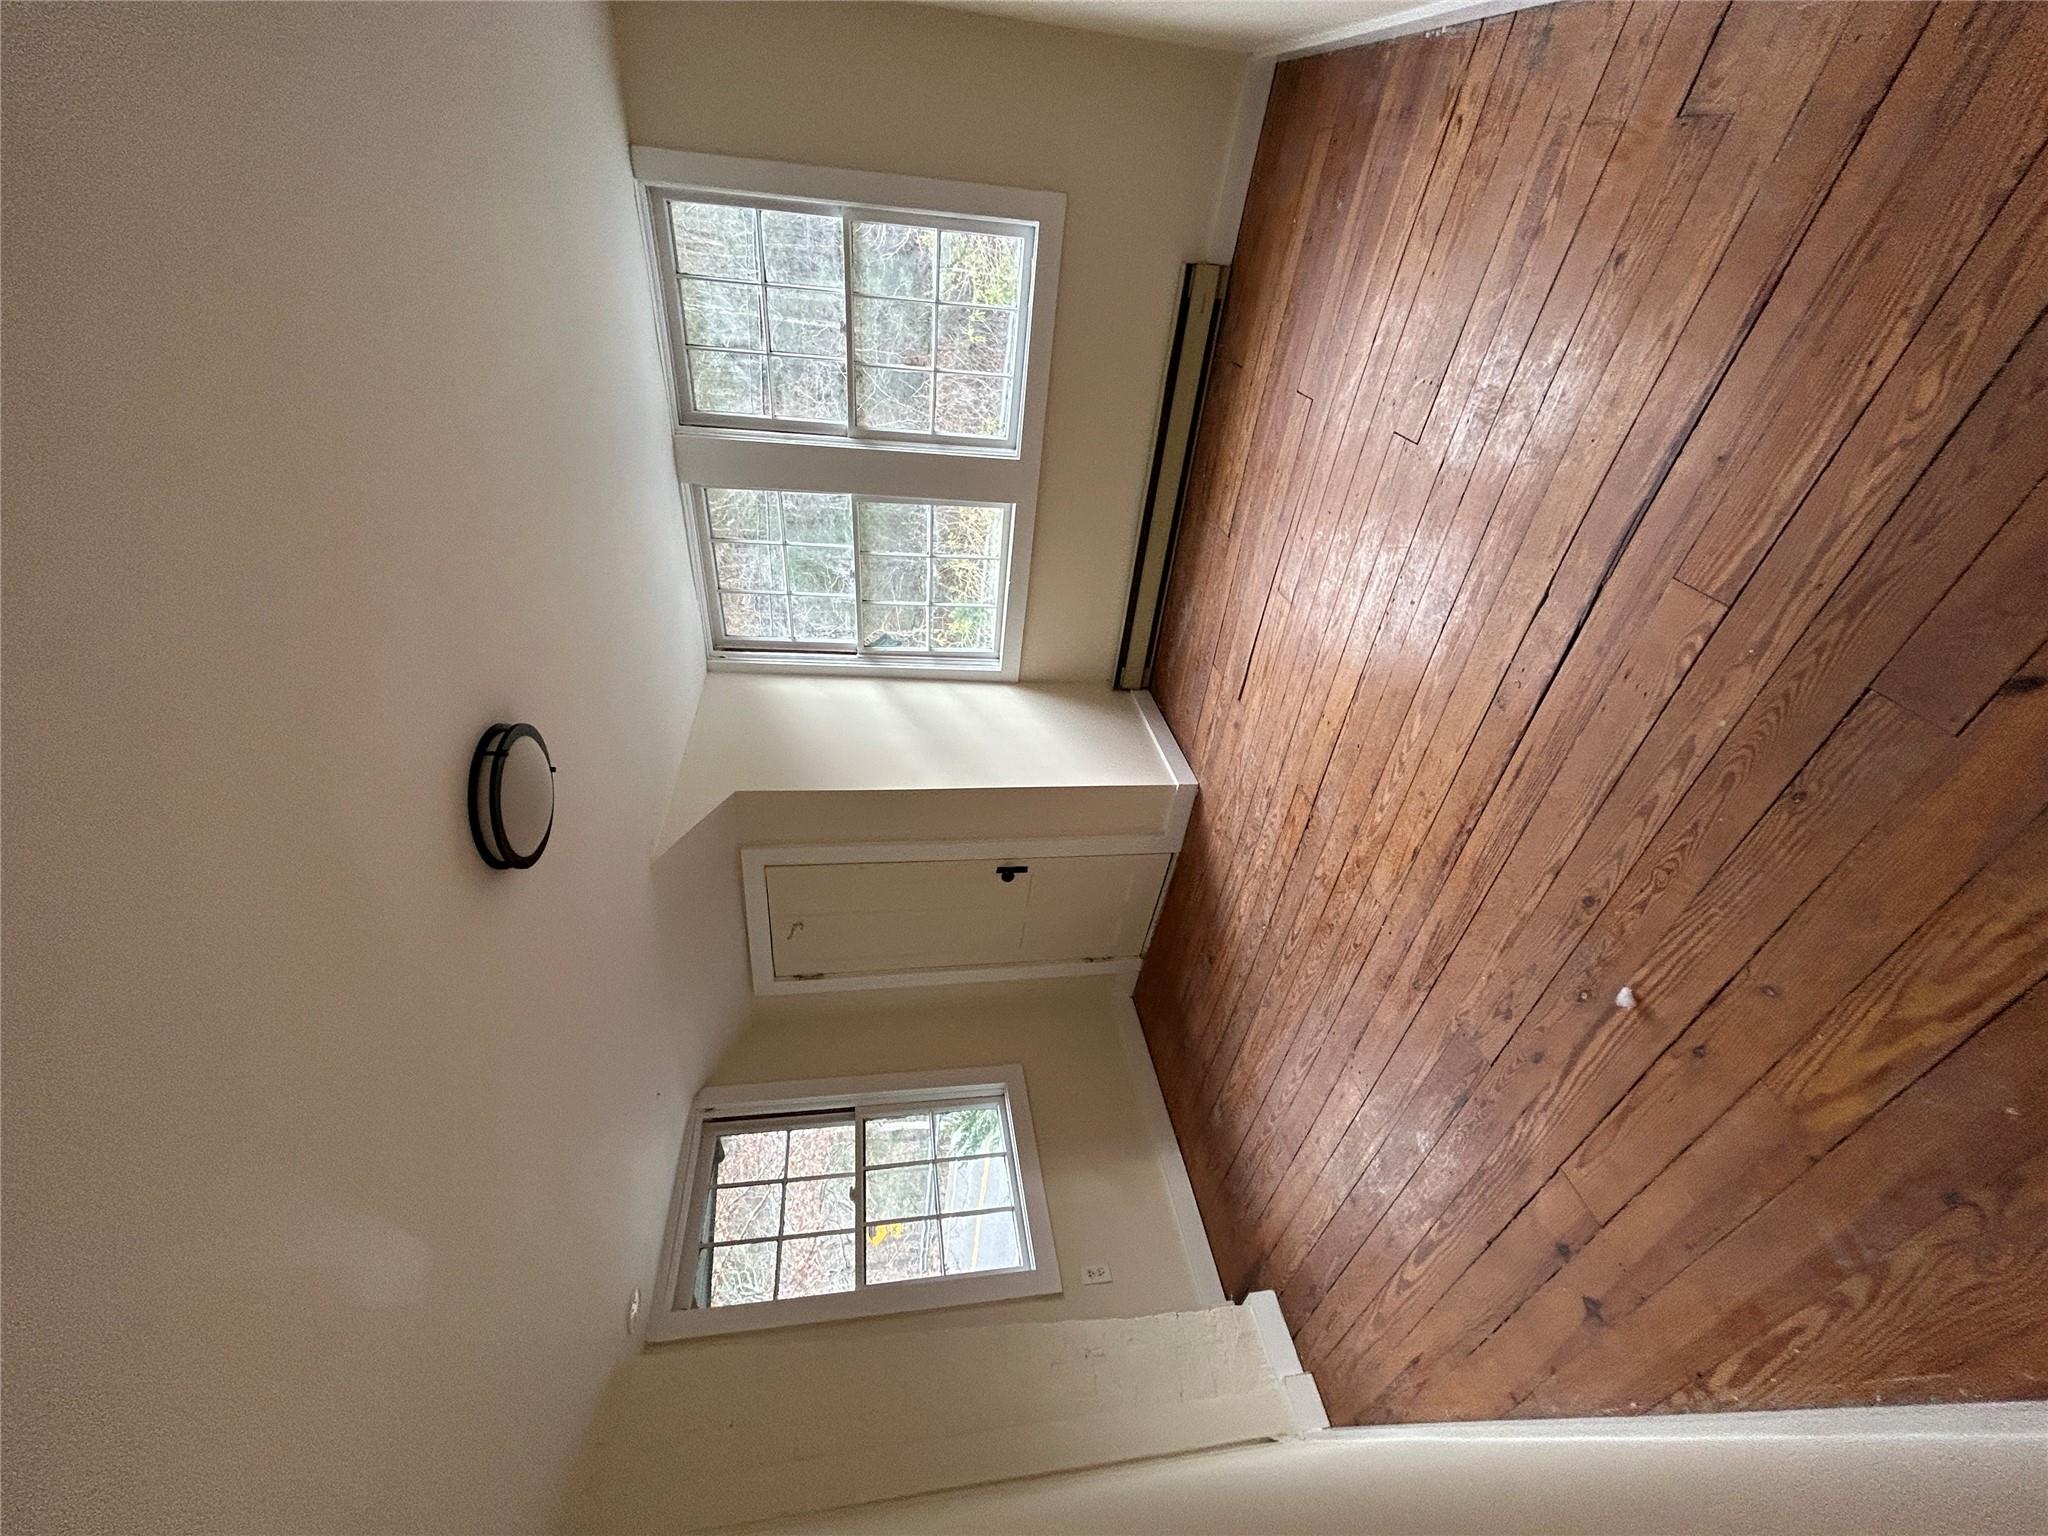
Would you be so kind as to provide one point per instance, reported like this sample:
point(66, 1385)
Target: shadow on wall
point(697, 891)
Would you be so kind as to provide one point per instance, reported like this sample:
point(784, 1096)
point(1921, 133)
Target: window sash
point(694, 1273)
point(848, 213)
point(972, 661)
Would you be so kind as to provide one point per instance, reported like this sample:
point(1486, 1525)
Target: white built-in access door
point(854, 921)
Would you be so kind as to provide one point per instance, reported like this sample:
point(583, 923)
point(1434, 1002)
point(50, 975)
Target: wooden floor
point(1617, 556)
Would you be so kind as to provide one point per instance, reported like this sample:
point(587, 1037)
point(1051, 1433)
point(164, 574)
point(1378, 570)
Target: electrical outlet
point(633, 1312)
point(1095, 1274)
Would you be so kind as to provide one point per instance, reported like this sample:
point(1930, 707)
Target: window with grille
point(848, 320)
point(854, 574)
point(859, 369)
point(898, 1196)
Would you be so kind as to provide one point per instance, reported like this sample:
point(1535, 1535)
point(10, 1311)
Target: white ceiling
point(1243, 26)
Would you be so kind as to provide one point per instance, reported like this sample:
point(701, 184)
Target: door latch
point(1008, 872)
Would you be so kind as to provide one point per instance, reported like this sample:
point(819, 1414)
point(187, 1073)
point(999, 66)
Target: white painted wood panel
point(888, 916)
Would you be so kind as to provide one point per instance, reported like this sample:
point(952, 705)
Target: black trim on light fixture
point(494, 842)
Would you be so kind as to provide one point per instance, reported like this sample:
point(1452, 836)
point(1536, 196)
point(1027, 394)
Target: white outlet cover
point(1095, 1274)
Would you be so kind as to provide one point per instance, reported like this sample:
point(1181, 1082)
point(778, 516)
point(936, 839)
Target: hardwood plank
point(1537, 908)
point(1962, 820)
point(1541, 1239)
point(1611, 398)
point(1455, 519)
point(1988, 129)
point(1522, 263)
point(1951, 1132)
point(1913, 1327)
point(1979, 636)
point(1766, 1141)
point(1423, 479)
point(1527, 1114)
point(1621, 375)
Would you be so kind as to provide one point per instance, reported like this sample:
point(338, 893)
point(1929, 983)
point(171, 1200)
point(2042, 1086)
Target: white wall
point(1967, 1471)
point(1133, 132)
point(334, 432)
point(742, 1426)
point(690, 1439)
point(757, 733)
point(1102, 1160)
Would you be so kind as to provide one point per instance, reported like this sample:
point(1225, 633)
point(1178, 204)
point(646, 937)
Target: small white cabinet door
point(850, 919)
point(1095, 908)
point(943, 914)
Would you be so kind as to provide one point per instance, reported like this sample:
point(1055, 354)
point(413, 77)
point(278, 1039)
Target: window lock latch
point(1008, 872)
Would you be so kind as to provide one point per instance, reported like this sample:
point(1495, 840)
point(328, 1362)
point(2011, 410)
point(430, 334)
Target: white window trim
point(755, 460)
point(670, 1320)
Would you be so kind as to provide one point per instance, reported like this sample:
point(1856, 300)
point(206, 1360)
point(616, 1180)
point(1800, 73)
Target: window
point(859, 365)
point(765, 293)
point(806, 1202)
point(855, 574)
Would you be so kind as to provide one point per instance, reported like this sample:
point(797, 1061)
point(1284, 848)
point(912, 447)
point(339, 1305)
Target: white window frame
point(675, 1315)
point(811, 656)
point(741, 457)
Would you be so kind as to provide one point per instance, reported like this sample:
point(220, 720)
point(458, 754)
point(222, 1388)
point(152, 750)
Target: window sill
point(921, 668)
point(697, 431)
point(903, 1296)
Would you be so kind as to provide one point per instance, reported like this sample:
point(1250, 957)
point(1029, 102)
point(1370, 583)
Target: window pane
point(894, 578)
point(895, 400)
point(896, 331)
point(894, 527)
point(748, 567)
point(821, 1149)
point(753, 1210)
point(803, 248)
point(893, 260)
point(974, 340)
point(742, 1274)
point(743, 514)
point(727, 383)
point(899, 1139)
point(721, 314)
point(898, 1192)
point(807, 320)
point(972, 406)
point(713, 240)
point(818, 1205)
point(785, 563)
point(982, 1242)
point(963, 581)
point(752, 1155)
point(822, 620)
point(821, 570)
point(967, 530)
point(902, 1250)
point(978, 1184)
point(754, 616)
point(892, 627)
point(816, 1266)
point(966, 1131)
point(810, 389)
point(964, 629)
point(981, 269)
point(815, 519)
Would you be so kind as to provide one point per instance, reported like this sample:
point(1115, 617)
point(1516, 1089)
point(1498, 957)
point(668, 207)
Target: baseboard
point(1180, 1192)
point(1904, 1421)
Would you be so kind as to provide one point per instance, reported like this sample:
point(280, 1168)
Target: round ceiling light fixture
point(511, 796)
